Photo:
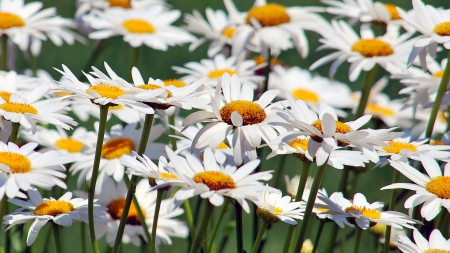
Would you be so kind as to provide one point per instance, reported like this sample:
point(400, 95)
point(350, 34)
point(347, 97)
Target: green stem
point(201, 230)
point(4, 41)
point(352, 190)
point(267, 72)
point(216, 227)
point(134, 55)
point(83, 237)
point(173, 140)
point(438, 100)
point(155, 220)
point(306, 165)
point(33, 64)
point(14, 132)
point(3, 205)
point(358, 240)
point(448, 119)
point(318, 235)
point(239, 234)
point(146, 128)
point(343, 240)
point(279, 171)
point(395, 179)
point(95, 168)
point(100, 46)
point(261, 231)
point(310, 204)
point(58, 238)
point(368, 81)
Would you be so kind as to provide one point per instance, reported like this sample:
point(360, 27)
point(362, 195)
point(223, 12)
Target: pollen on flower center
point(378, 110)
point(5, 95)
point(228, 32)
point(436, 251)
point(340, 127)
point(9, 20)
point(372, 47)
point(53, 207)
point(115, 209)
point(117, 147)
point(306, 95)
point(138, 26)
point(439, 186)
point(16, 162)
point(251, 112)
point(222, 145)
point(268, 15)
point(165, 175)
point(150, 86)
point(366, 212)
point(215, 180)
point(120, 3)
point(219, 72)
point(106, 91)
point(397, 147)
point(175, 82)
point(116, 107)
point(392, 9)
point(69, 144)
point(442, 29)
point(301, 143)
point(436, 142)
point(18, 108)
point(438, 74)
point(277, 210)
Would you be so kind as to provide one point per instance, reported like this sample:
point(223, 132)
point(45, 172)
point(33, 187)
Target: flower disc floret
point(16, 162)
point(436, 142)
point(268, 15)
point(299, 143)
point(9, 20)
point(154, 87)
point(439, 186)
point(266, 215)
point(251, 112)
point(53, 207)
point(436, 251)
point(138, 26)
point(115, 209)
point(120, 3)
point(5, 95)
point(366, 212)
point(396, 147)
point(340, 127)
point(174, 82)
point(306, 95)
point(69, 144)
point(442, 29)
point(392, 9)
point(107, 91)
point(439, 73)
point(117, 147)
point(219, 72)
point(228, 32)
point(376, 109)
point(18, 108)
point(215, 180)
point(372, 48)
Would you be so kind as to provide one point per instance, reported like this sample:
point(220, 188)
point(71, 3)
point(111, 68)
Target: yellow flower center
point(268, 15)
point(18, 108)
point(306, 95)
point(340, 127)
point(5, 95)
point(392, 9)
point(150, 86)
point(62, 94)
point(266, 215)
point(115, 209)
point(436, 251)
point(120, 3)
point(222, 145)
point(251, 112)
point(379, 110)
point(138, 26)
point(300, 144)
point(116, 107)
point(442, 29)
point(9, 20)
point(439, 186)
point(175, 82)
point(397, 147)
point(228, 32)
point(53, 207)
point(439, 74)
point(117, 147)
point(366, 212)
point(436, 142)
point(277, 210)
point(372, 47)
point(165, 175)
point(215, 180)
point(107, 91)
point(69, 144)
point(16, 162)
point(219, 72)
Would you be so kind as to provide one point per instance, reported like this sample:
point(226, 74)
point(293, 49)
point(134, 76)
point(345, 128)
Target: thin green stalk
point(343, 240)
point(14, 132)
point(33, 64)
point(95, 168)
point(4, 52)
point(448, 119)
point(189, 218)
point(261, 231)
point(3, 204)
point(368, 81)
point(279, 171)
point(58, 238)
point(438, 100)
point(239, 234)
point(173, 140)
point(358, 240)
point(99, 47)
point(395, 179)
point(352, 190)
point(201, 230)
point(146, 128)
point(155, 220)
point(310, 204)
point(83, 237)
point(318, 235)
point(217, 225)
point(134, 55)
point(306, 165)
point(267, 72)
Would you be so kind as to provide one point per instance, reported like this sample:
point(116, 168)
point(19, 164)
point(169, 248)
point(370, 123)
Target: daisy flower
point(62, 211)
point(85, 6)
point(13, 83)
point(83, 109)
point(431, 189)
point(25, 168)
point(292, 186)
point(150, 26)
point(436, 243)
point(215, 68)
point(363, 52)
point(235, 111)
point(273, 207)
point(361, 213)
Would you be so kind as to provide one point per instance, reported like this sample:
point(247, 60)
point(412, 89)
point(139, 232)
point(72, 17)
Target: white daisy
point(62, 211)
point(436, 243)
point(431, 189)
point(85, 6)
point(273, 207)
point(13, 83)
point(83, 109)
point(150, 26)
point(292, 186)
